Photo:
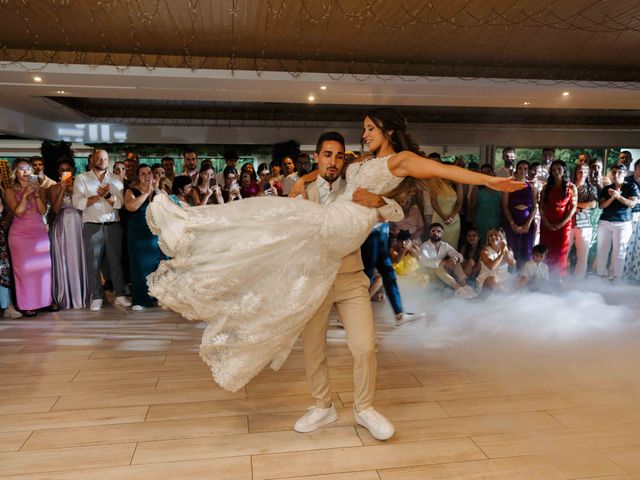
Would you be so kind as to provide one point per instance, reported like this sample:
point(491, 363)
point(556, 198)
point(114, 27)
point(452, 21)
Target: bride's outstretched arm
point(408, 164)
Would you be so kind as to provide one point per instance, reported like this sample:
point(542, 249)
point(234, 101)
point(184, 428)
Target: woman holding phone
point(28, 240)
point(70, 281)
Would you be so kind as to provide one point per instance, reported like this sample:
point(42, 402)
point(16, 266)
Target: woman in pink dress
point(28, 240)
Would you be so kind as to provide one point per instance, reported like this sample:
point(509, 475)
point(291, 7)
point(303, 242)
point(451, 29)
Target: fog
point(586, 334)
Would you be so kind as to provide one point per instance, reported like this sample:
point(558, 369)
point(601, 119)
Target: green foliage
point(567, 155)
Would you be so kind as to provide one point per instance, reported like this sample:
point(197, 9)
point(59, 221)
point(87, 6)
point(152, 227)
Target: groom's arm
point(388, 210)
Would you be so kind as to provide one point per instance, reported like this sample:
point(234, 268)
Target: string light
point(189, 21)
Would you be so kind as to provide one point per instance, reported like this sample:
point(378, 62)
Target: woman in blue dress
point(144, 251)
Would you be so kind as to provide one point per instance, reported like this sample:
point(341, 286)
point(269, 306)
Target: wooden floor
point(123, 395)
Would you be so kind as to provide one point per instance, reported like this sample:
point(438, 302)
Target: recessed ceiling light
point(565, 94)
point(527, 103)
point(37, 79)
point(311, 98)
point(60, 91)
point(323, 87)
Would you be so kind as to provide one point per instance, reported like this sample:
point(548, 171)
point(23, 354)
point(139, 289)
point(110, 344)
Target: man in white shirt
point(509, 159)
point(350, 295)
point(230, 160)
point(38, 169)
point(190, 165)
point(98, 194)
point(535, 273)
point(442, 261)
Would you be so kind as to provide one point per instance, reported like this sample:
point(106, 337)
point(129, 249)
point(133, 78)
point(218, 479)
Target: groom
point(350, 295)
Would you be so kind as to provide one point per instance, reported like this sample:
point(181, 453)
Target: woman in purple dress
point(70, 283)
point(28, 240)
point(519, 210)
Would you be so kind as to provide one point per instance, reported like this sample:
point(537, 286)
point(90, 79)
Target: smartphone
point(65, 176)
point(33, 179)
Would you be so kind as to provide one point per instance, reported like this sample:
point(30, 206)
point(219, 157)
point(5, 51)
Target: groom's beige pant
point(350, 295)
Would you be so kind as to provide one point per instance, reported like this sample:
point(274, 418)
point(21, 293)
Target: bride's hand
point(502, 184)
point(298, 189)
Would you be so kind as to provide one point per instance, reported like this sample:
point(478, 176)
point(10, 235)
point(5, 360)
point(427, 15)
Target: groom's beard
point(331, 177)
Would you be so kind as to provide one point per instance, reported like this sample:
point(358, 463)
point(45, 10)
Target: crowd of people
point(562, 222)
point(63, 242)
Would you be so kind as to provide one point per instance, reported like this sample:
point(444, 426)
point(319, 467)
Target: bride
point(257, 270)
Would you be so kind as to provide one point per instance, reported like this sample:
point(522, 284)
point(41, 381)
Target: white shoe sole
point(312, 428)
point(373, 434)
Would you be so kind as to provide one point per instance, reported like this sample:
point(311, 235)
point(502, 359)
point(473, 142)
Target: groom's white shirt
point(321, 192)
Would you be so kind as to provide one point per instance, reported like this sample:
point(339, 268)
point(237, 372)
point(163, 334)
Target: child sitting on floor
point(535, 273)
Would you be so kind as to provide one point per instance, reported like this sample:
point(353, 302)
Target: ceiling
point(456, 61)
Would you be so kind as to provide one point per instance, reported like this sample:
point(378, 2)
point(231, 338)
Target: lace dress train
point(255, 270)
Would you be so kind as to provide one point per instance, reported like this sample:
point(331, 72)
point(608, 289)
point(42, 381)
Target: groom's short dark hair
point(329, 137)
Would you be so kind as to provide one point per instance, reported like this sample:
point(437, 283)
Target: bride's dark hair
point(394, 127)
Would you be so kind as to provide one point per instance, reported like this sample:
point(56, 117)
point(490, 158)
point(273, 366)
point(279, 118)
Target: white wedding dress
point(256, 270)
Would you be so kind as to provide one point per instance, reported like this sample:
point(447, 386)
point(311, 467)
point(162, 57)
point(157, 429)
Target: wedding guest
point(231, 161)
point(581, 230)
point(559, 199)
point(206, 191)
point(485, 205)
point(119, 171)
point(37, 163)
point(267, 186)
point(231, 188)
point(70, 277)
point(375, 256)
point(248, 167)
point(249, 183)
point(190, 165)
point(404, 254)
point(632, 262)
point(181, 190)
point(276, 175)
point(495, 260)
point(98, 194)
point(143, 245)
point(130, 169)
point(413, 219)
point(598, 180)
point(5, 266)
point(28, 240)
point(446, 204)
point(519, 209)
point(535, 274)
point(443, 262)
point(615, 228)
point(160, 176)
point(471, 250)
point(169, 165)
point(509, 159)
point(290, 175)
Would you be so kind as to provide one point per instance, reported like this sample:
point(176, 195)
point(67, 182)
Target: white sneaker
point(11, 312)
point(122, 301)
point(404, 317)
point(379, 427)
point(466, 293)
point(315, 418)
point(137, 308)
point(96, 305)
